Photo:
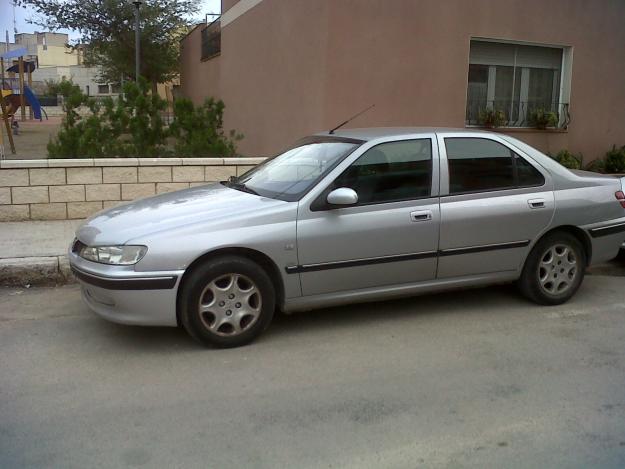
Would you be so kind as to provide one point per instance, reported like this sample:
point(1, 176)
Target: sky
point(22, 15)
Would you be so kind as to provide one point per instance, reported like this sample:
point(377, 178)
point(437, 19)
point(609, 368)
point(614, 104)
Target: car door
point(390, 236)
point(494, 203)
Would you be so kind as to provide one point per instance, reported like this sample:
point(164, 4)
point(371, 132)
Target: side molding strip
point(139, 283)
point(484, 248)
point(607, 230)
point(295, 269)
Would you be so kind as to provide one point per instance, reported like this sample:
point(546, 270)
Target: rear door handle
point(421, 215)
point(536, 203)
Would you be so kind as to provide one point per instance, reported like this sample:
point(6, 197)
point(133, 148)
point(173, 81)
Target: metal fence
point(49, 100)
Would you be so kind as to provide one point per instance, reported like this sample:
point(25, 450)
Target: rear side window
point(391, 172)
point(528, 175)
point(479, 165)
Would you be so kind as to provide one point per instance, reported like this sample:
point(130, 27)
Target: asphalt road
point(477, 378)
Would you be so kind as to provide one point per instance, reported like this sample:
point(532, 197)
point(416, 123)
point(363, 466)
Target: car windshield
point(289, 175)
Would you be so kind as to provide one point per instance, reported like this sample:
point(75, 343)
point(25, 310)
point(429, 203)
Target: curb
point(35, 271)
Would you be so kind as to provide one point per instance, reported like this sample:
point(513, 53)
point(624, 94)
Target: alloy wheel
point(558, 269)
point(230, 304)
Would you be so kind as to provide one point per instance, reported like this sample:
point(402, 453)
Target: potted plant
point(491, 118)
point(542, 119)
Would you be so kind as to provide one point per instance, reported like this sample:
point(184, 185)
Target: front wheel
point(554, 269)
point(227, 302)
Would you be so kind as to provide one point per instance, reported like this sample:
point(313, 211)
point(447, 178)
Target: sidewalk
point(33, 252)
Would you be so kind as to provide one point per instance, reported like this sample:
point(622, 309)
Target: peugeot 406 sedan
point(351, 216)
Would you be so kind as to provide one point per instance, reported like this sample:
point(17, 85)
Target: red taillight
point(620, 196)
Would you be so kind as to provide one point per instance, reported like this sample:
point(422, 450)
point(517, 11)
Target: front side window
point(289, 175)
point(391, 171)
point(515, 81)
point(479, 164)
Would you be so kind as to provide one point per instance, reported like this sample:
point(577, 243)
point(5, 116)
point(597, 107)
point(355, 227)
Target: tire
point(227, 302)
point(554, 269)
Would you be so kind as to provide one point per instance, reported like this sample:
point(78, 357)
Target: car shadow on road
point(145, 339)
point(149, 339)
point(447, 303)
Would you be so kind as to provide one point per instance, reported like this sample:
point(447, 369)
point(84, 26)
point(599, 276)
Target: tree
point(107, 30)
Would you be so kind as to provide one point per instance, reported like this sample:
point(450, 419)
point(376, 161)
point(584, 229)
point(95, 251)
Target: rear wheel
point(227, 302)
point(554, 269)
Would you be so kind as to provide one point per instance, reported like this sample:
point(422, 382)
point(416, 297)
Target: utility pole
point(137, 5)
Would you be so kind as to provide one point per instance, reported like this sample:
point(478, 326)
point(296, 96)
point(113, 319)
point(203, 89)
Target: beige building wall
point(287, 69)
point(57, 56)
point(199, 78)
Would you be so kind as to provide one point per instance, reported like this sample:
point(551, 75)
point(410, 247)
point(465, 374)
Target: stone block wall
point(69, 189)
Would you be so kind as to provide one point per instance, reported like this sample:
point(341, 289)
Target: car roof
point(372, 133)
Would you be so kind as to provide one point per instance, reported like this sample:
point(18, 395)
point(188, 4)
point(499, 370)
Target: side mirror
point(342, 196)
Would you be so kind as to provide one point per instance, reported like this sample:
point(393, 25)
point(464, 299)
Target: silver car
point(351, 216)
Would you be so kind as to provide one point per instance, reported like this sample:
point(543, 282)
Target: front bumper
point(121, 295)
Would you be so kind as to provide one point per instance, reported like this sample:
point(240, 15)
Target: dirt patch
point(33, 138)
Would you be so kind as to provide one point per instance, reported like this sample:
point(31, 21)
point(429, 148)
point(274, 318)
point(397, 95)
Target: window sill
point(521, 130)
point(204, 59)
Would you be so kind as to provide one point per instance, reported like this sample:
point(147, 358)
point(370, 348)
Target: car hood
point(201, 204)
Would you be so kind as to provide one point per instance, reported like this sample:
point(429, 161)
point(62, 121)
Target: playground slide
point(33, 101)
point(30, 98)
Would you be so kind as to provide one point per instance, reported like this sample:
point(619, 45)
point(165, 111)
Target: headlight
point(115, 255)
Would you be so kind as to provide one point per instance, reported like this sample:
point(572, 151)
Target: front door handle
point(536, 203)
point(421, 215)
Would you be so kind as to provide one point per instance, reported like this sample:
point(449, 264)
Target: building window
point(211, 40)
point(116, 88)
point(103, 89)
point(518, 80)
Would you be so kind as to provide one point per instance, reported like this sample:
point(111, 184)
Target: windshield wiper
point(235, 184)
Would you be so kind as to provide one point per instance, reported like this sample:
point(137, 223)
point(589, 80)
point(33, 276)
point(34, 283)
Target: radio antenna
point(350, 119)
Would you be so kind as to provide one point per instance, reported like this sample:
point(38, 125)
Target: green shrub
point(137, 115)
point(132, 126)
point(542, 119)
point(67, 142)
point(51, 88)
point(198, 130)
point(568, 159)
point(597, 166)
point(615, 160)
point(491, 118)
